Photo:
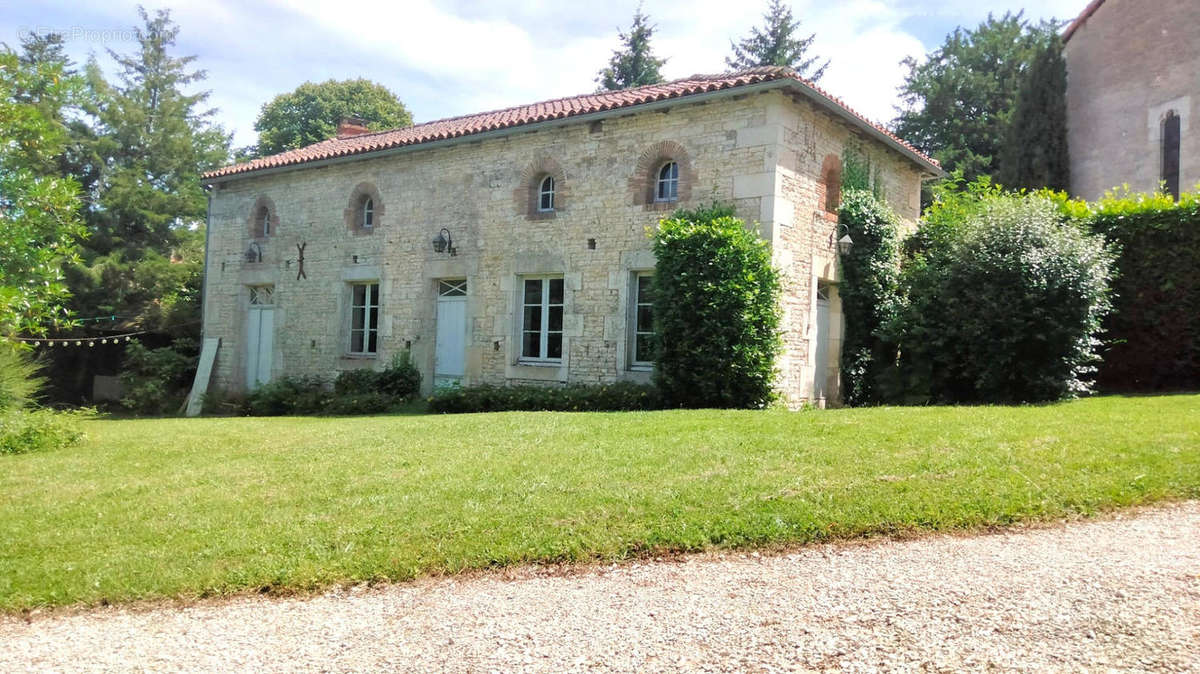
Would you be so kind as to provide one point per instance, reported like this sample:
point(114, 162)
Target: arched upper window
point(262, 220)
point(546, 195)
point(667, 188)
point(368, 213)
point(831, 183)
point(364, 212)
point(1170, 153)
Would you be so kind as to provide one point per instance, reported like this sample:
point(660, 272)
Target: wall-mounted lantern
point(443, 242)
point(845, 243)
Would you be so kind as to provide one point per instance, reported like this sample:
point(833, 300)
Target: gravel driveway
point(1121, 593)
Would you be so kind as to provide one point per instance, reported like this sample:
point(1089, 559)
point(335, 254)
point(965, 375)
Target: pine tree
point(634, 64)
point(148, 141)
point(1035, 154)
point(775, 45)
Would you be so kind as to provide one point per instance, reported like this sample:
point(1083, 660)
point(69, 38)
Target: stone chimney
point(351, 126)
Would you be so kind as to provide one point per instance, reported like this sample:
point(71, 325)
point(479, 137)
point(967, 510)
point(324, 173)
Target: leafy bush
point(1004, 306)
point(716, 311)
point(288, 396)
point(361, 391)
point(23, 431)
point(155, 381)
point(399, 380)
point(623, 396)
point(19, 380)
point(1153, 334)
point(869, 293)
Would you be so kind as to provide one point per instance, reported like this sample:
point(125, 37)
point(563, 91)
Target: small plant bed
point(190, 508)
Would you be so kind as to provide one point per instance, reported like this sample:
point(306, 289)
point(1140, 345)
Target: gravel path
point(1121, 593)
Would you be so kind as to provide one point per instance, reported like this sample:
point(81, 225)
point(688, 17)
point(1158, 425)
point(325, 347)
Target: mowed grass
point(200, 507)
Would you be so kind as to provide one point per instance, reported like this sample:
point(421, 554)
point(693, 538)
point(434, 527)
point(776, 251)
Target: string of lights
point(91, 342)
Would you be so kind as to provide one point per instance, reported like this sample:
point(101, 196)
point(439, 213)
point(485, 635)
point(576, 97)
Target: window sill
point(360, 356)
point(539, 363)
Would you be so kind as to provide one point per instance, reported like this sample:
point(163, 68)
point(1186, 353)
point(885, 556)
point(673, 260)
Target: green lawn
point(194, 507)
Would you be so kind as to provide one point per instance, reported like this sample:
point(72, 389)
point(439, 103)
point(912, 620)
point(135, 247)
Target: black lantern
point(845, 243)
point(444, 242)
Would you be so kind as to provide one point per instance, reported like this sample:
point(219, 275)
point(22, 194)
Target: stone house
point(1133, 82)
point(512, 246)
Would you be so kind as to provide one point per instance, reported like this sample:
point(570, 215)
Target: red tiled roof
point(559, 108)
point(1083, 16)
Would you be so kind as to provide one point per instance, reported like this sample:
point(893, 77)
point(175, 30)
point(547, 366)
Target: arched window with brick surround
point(1171, 132)
point(541, 192)
point(263, 221)
point(663, 176)
point(829, 190)
point(364, 213)
point(667, 188)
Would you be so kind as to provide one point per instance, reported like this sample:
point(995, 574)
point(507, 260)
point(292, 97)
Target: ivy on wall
point(868, 288)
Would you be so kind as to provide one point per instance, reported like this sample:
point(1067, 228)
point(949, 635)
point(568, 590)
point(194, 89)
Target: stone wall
point(1128, 65)
point(760, 151)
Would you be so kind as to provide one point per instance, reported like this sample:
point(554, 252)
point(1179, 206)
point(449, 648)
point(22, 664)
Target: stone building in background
point(1133, 87)
point(513, 246)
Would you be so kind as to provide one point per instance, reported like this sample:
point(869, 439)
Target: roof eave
point(778, 83)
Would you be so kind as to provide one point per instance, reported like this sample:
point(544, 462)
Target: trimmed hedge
point(716, 311)
point(619, 397)
point(1153, 335)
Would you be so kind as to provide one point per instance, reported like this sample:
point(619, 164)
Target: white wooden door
point(450, 349)
point(260, 336)
point(821, 358)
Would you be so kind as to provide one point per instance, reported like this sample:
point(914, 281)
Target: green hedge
point(1153, 336)
point(619, 397)
point(716, 311)
point(362, 391)
point(1004, 296)
point(869, 293)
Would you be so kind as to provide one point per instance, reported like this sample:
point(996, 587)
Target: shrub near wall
point(1004, 306)
point(716, 311)
point(1153, 334)
point(868, 291)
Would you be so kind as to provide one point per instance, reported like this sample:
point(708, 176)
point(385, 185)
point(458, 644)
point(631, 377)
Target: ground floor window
point(542, 319)
point(642, 321)
point(364, 318)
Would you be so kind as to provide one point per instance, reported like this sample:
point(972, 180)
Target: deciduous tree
point(959, 101)
point(311, 113)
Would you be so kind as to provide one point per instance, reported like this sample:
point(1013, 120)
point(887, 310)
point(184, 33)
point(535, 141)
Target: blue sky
point(461, 56)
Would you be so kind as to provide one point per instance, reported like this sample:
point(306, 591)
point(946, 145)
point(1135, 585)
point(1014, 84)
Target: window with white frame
point(641, 323)
point(368, 213)
point(546, 195)
point(542, 319)
point(364, 319)
point(667, 188)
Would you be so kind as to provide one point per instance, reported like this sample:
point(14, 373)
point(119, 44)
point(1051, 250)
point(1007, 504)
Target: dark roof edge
point(1081, 19)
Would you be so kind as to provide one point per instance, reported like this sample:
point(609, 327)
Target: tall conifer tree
point(634, 63)
point(1035, 154)
point(776, 44)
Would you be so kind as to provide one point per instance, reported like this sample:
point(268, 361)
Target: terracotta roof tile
point(561, 108)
